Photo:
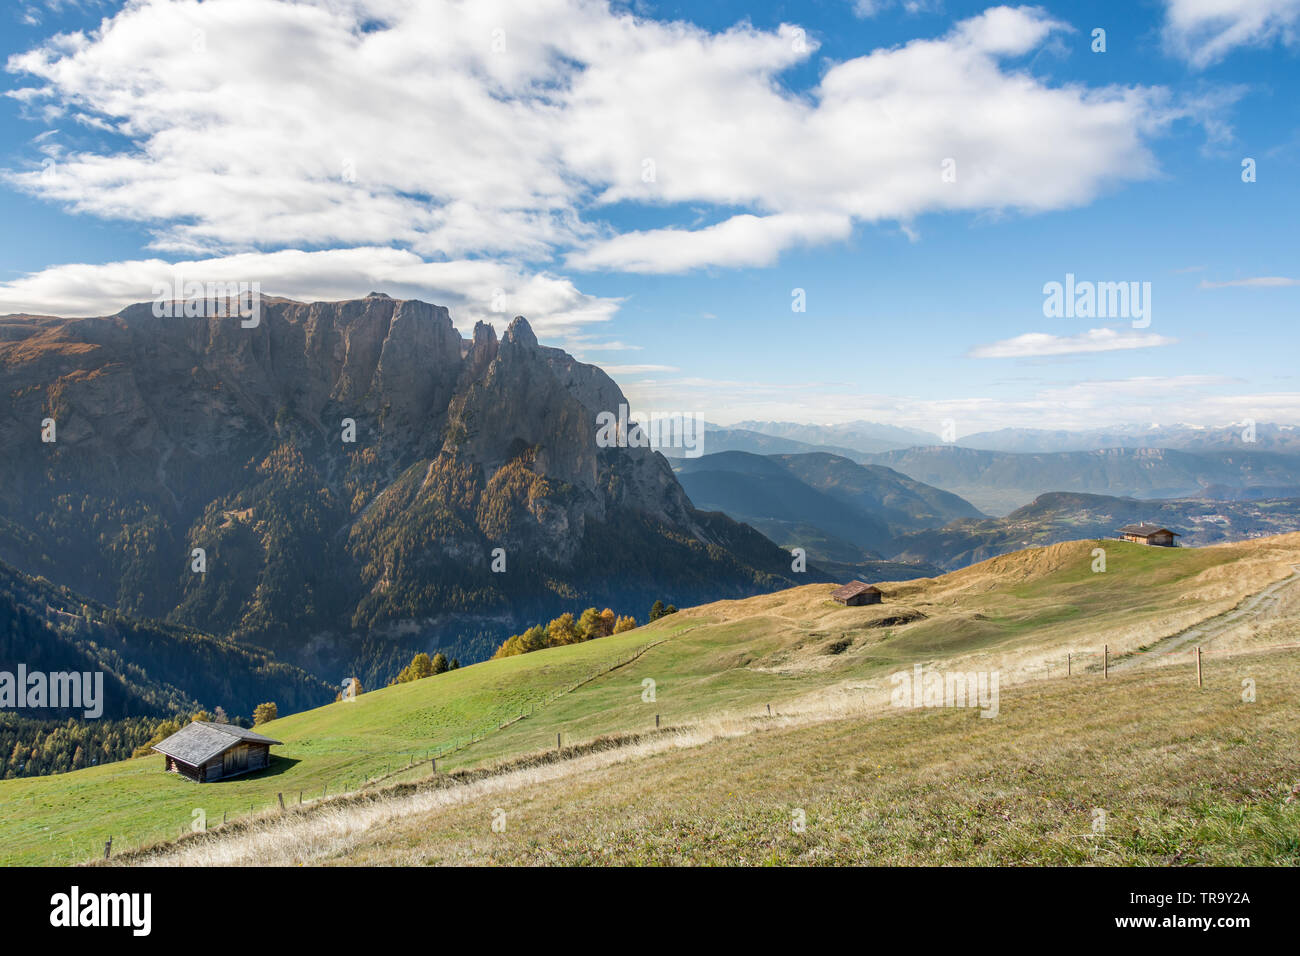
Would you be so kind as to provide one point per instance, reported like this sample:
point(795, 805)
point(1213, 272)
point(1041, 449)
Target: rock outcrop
point(176, 434)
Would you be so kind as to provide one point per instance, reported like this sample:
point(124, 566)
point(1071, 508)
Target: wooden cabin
point(857, 593)
point(1151, 534)
point(204, 751)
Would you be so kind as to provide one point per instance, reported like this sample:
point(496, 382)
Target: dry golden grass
point(1185, 775)
point(1195, 777)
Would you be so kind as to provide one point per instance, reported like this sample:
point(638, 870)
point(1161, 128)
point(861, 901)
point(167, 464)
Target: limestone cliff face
point(178, 433)
point(134, 390)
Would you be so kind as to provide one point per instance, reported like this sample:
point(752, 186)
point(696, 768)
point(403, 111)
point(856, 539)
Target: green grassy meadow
point(731, 657)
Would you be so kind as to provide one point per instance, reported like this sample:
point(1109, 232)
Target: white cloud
point(1203, 32)
point(471, 289)
point(502, 129)
point(867, 144)
point(615, 370)
point(1252, 282)
point(1206, 399)
point(866, 9)
point(743, 240)
point(1036, 344)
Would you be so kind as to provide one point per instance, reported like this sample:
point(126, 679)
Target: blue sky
point(650, 184)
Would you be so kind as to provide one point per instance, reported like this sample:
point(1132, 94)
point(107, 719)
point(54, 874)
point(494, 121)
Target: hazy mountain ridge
point(1066, 516)
point(845, 515)
point(999, 471)
point(859, 436)
point(718, 439)
point(999, 482)
point(1264, 436)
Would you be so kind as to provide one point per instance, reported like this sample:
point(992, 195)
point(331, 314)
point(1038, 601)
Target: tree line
point(566, 629)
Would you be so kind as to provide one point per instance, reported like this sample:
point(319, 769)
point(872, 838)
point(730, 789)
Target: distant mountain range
point(1067, 516)
point(873, 437)
point(719, 439)
point(858, 436)
point(872, 522)
point(842, 513)
point(177, 434)
point(1239, 437)
point(999, 482)
point(1021, 464)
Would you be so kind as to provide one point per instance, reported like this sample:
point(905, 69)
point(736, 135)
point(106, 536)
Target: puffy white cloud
point(742, 240)
point(471, 289)
point(1039, 344)
point(1205, 31)
point(502, 129)
point(868, 143)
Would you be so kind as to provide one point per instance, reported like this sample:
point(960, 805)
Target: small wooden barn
point(1151, 534)
point(857, 593)
point(204, 751)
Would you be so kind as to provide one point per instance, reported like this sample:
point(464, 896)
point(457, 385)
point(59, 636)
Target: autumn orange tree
point(591, 624)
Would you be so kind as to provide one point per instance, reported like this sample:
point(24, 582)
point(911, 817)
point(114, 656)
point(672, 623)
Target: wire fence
point(426, 759)
point(1077, 662)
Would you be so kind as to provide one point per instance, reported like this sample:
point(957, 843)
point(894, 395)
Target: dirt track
point(1207, 631)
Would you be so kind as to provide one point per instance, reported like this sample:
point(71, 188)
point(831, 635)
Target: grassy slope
point(64, 818)
point(1016, 612)
point(1185, 776)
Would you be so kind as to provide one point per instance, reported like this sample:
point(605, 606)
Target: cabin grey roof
point(853, 589)
point(1145, 528)
point(202, 740)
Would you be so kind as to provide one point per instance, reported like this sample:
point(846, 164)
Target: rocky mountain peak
point(520, 333)
point(351, 465)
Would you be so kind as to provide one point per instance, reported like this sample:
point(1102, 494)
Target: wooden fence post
point(1198, 668)
point(280, 797)
point(656, 721)
point(769, 710)
point(1105, 660)
point(108, 847)
point(1069, 664)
